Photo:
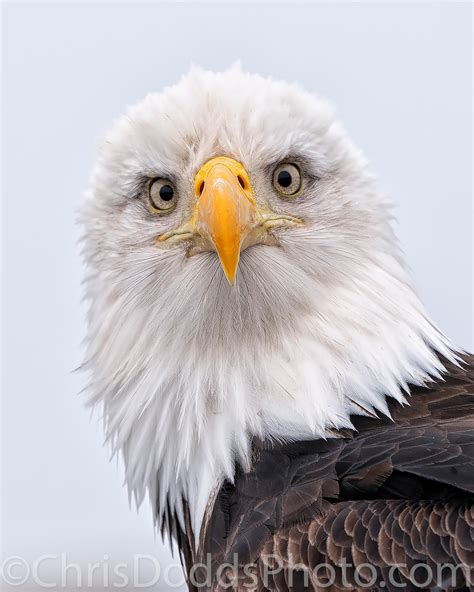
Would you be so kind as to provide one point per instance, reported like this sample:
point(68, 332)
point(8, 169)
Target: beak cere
point(225, 212)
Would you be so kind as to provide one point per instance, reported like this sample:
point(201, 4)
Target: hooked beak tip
point(230, 277)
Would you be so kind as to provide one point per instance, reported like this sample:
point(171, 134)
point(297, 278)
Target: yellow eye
point(287, 179)
point(162, 195)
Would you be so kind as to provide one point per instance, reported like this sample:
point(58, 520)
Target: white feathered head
point(244, 280)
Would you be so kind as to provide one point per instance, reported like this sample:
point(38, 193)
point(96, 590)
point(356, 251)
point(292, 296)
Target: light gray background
point(400, 76)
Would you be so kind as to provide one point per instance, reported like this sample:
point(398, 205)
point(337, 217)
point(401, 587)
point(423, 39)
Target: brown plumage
point(374, 508)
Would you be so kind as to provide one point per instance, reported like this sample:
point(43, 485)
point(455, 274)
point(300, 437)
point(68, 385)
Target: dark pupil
point(284, 178)
point(166, 193)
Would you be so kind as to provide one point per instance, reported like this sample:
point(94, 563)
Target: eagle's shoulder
point(424, 451)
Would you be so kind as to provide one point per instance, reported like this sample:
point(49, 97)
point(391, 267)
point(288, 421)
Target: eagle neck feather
point(192, 418)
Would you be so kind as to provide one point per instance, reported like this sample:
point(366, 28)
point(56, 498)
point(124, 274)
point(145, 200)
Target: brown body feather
point(374, 509)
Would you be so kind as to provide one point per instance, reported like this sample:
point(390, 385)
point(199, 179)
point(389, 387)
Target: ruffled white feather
point(186, 368)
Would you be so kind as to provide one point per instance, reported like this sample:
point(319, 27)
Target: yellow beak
point(225, 212)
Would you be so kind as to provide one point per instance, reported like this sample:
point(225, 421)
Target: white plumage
point(187, 367)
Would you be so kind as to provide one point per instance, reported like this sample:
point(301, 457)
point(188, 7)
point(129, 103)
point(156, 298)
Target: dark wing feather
point(393, 491)
point(380, 534)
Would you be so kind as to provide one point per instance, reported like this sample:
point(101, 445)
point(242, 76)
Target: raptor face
point(233, 177)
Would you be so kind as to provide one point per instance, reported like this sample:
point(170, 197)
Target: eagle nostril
point(241, 181)
point(201, 188)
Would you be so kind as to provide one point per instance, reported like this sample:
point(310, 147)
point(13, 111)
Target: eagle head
point(243, 281)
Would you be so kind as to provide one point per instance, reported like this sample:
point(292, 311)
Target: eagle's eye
point(162, 195)
point(287, 179)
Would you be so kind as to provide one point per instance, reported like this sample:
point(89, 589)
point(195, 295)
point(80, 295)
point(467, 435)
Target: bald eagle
point(262, 362)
